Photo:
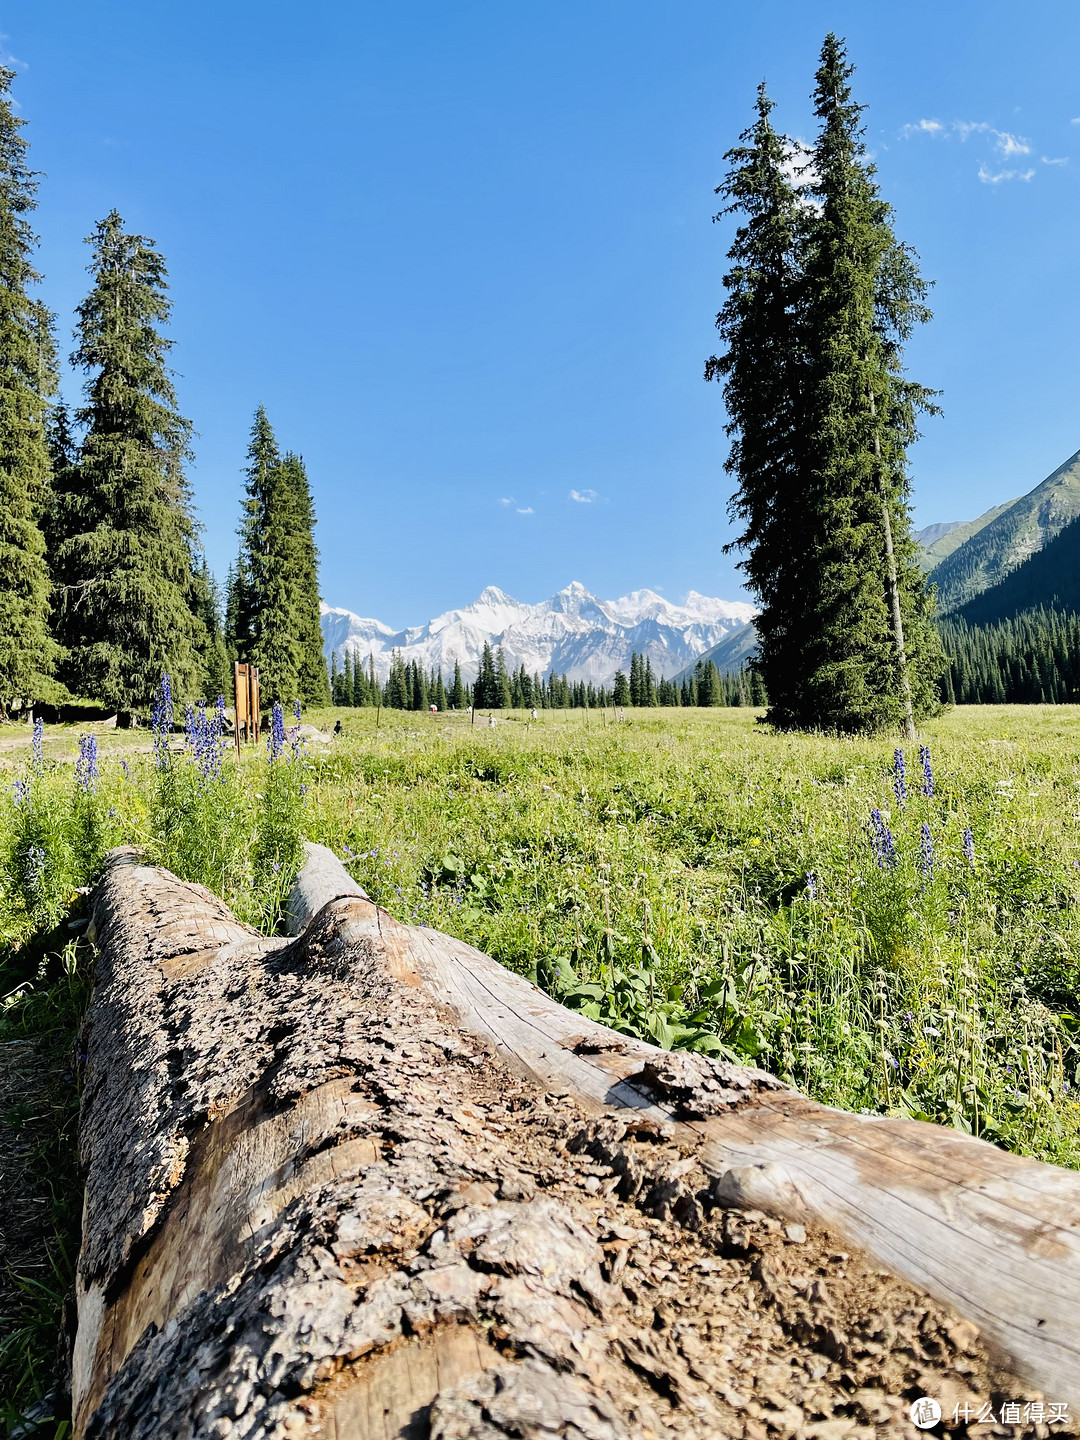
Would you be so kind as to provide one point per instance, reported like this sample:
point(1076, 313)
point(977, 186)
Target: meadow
point(891, 934)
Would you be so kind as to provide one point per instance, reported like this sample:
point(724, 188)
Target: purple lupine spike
point(39, 735)
point(35, 867)
point(927, 770)
point(162, 722)
point(899, 786)
point(881, 838)
point(811, 884)
point(275, 740)
point(86, 767)
point(926, 851)
point(969, 847)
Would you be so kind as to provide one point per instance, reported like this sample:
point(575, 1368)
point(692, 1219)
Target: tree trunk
point(893, 587)
point(368, 1184)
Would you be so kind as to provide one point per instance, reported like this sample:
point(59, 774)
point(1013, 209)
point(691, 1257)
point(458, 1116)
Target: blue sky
point(463, 254)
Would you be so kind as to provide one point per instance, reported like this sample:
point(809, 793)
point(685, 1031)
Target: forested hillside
point(1022, 529)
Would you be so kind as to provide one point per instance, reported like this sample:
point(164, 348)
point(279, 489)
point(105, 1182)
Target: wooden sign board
point(246, 685)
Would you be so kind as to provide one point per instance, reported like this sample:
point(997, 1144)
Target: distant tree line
point(409, 686)
point(1029, 659)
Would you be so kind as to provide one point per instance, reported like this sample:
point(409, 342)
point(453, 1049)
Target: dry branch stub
point(366, 1183)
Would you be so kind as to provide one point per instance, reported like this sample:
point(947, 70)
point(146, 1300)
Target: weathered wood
point(367, 1184)
point(994, 1235)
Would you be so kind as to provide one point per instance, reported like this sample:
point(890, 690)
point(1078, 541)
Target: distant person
point(338, 728)
point(491, 722)
point(534, 715)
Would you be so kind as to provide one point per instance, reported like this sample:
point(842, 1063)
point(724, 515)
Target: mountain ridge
point(1019, 530)
point(572, 632)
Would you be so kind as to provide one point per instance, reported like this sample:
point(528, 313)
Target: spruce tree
point(248, 596)
point(486, 690)
point(283, 620)
point(27, 381)
point(217, 667)
point(820, 301)
point(457, 690)
point(124, 528)
point(863, 297)
point(764, 373)
point(359, 691)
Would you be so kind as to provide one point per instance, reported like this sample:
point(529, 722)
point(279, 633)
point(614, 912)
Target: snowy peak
point(572, 633)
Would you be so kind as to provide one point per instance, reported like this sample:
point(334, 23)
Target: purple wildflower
point(899, 786)
point(35, 867)
point(275, 739)
point(881, 838)
point(39, 735)
point(125, 769)
point(969, 847)
point(926, 850)
point(206, 743)
point(928, 774)
point(189, 726)
point(811, 884)
point(86, 767)
point(162, 722)
point(21, 792)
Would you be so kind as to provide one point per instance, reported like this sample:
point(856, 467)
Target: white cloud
point(526, 510)
point(795, 167)
point(922, 127)
point(989, 178)
point(1006, 145)
point(1075, 120)
point(506, 500)
point(1055, 159)
point(584, 497)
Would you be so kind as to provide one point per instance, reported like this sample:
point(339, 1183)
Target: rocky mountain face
point(572, 633)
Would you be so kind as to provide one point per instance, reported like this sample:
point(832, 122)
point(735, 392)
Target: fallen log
point(367, 1183)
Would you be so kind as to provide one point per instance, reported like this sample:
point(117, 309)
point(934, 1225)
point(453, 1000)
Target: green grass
point(653, 874)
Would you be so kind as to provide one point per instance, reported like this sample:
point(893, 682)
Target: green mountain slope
point(937, 542)
point(1000, 546)
point(728, 656)
point(1049, 578)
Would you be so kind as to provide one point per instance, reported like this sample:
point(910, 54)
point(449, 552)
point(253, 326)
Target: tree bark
point(366, 1183)
point(893, 587)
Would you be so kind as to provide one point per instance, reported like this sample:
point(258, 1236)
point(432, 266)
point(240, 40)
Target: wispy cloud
point(990, 177)
point(922, 127)
point(1005, 144)
point(525, 510)
point(584, 497)
point(1055, 159)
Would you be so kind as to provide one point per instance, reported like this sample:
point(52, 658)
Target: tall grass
point(701, 882)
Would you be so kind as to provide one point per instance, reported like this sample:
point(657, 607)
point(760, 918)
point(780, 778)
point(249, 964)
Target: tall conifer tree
point(821, 299)
point(764, 373)
point(863, 297)
point(27, 381)
point(124, 555)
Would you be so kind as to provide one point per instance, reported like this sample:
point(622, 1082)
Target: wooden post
point(255, 703)
point(241, 702)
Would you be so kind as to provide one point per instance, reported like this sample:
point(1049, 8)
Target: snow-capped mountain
point(573, 633)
